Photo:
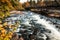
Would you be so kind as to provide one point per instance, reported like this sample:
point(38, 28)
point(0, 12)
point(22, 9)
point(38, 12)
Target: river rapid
point(48, 28)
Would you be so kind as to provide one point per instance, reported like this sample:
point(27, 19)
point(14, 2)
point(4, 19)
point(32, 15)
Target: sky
point(22, 1)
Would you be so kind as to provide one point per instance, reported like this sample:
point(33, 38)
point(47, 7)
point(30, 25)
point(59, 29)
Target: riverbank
point(49, 14)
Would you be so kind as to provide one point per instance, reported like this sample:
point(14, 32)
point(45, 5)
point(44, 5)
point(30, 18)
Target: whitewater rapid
point(55, 34)
point(28, 16)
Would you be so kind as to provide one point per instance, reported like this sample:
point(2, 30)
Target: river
point(47, 27)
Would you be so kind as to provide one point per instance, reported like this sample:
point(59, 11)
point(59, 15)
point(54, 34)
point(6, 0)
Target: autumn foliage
point(27, 4)
point(5, 7)
point(5, 30)
point(8, 5)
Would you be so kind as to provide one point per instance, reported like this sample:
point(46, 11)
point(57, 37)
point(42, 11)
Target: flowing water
point(45, 25)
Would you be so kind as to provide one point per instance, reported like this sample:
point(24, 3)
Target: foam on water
point(55, 35)
point(28, 16)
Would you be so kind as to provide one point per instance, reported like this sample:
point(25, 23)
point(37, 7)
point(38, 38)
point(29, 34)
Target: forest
point(5, 7)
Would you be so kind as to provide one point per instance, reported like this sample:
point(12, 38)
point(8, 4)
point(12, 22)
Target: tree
point(27, 4)
point(5, 7)
point(41, 3)
point(8, 5)
point(57, 1)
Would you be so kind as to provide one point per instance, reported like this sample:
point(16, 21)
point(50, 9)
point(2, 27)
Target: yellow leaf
point(6, 38)
point(5, 24)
